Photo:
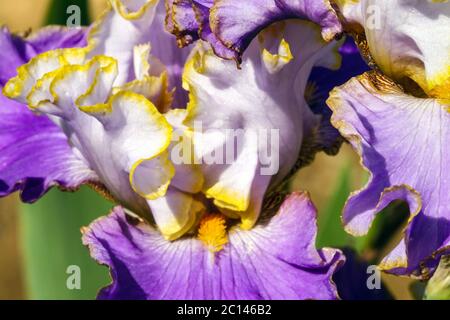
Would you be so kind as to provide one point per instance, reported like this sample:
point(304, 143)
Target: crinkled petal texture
point(122, 136)
point(127, 24)
point(274, 261)
point(403, 143)
point(248, 125)
point(230, 25)
point(189, 20)
point(34, 153)
point(116, 131)
point(415, 37)
point(17, 51)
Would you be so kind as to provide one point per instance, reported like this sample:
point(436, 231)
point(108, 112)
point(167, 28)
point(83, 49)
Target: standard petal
point(415, 38)
point(188, 175)
point(243, 119)
point(176, 211)
point(236, 22)
point(275, 261)
point(126, 25)
point(402, 142)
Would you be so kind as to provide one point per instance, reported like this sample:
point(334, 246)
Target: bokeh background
point(38, 242)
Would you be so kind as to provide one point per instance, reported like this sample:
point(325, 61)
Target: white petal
point(188, 176)
point(128, 31)
point(264, 100)
point(407, 39)
point(124, 25)
point(175, 213)
point(21, 86)
point(116, 135)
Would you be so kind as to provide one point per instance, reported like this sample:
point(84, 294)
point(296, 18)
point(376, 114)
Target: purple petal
point(188, 20)
point(403, 143)
point(34, 153)
point(202, 8)
point(181, 21)
point(230, 25)
point(237, 22)
point(53, 37)
point(275, 261)
point(14, 52)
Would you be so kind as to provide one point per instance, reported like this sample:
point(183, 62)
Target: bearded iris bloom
point(117, 109)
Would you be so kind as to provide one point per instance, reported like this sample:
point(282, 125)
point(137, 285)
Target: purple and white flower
point(122, 104)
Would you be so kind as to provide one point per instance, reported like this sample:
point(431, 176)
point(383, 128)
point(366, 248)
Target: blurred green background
point(39, 242)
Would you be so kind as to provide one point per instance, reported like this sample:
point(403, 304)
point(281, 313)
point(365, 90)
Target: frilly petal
point(176, 211)
point(122, 26)
point(126, 25)
point(263, 103)
point(34, 153)
point(17, 51)
point(100, 126)
point(274, 261)
point(230, 26)
point(189, 20)
point(407, 39)
point(402, 142)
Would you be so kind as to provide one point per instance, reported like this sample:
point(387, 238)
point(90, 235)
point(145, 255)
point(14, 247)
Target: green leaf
point(58, 14)
point(331, 233)
point(438, 287)
point(417, 289)
point(51, 242)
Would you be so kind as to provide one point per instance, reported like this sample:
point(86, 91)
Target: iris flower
point(397, 119)
point(122, 112)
